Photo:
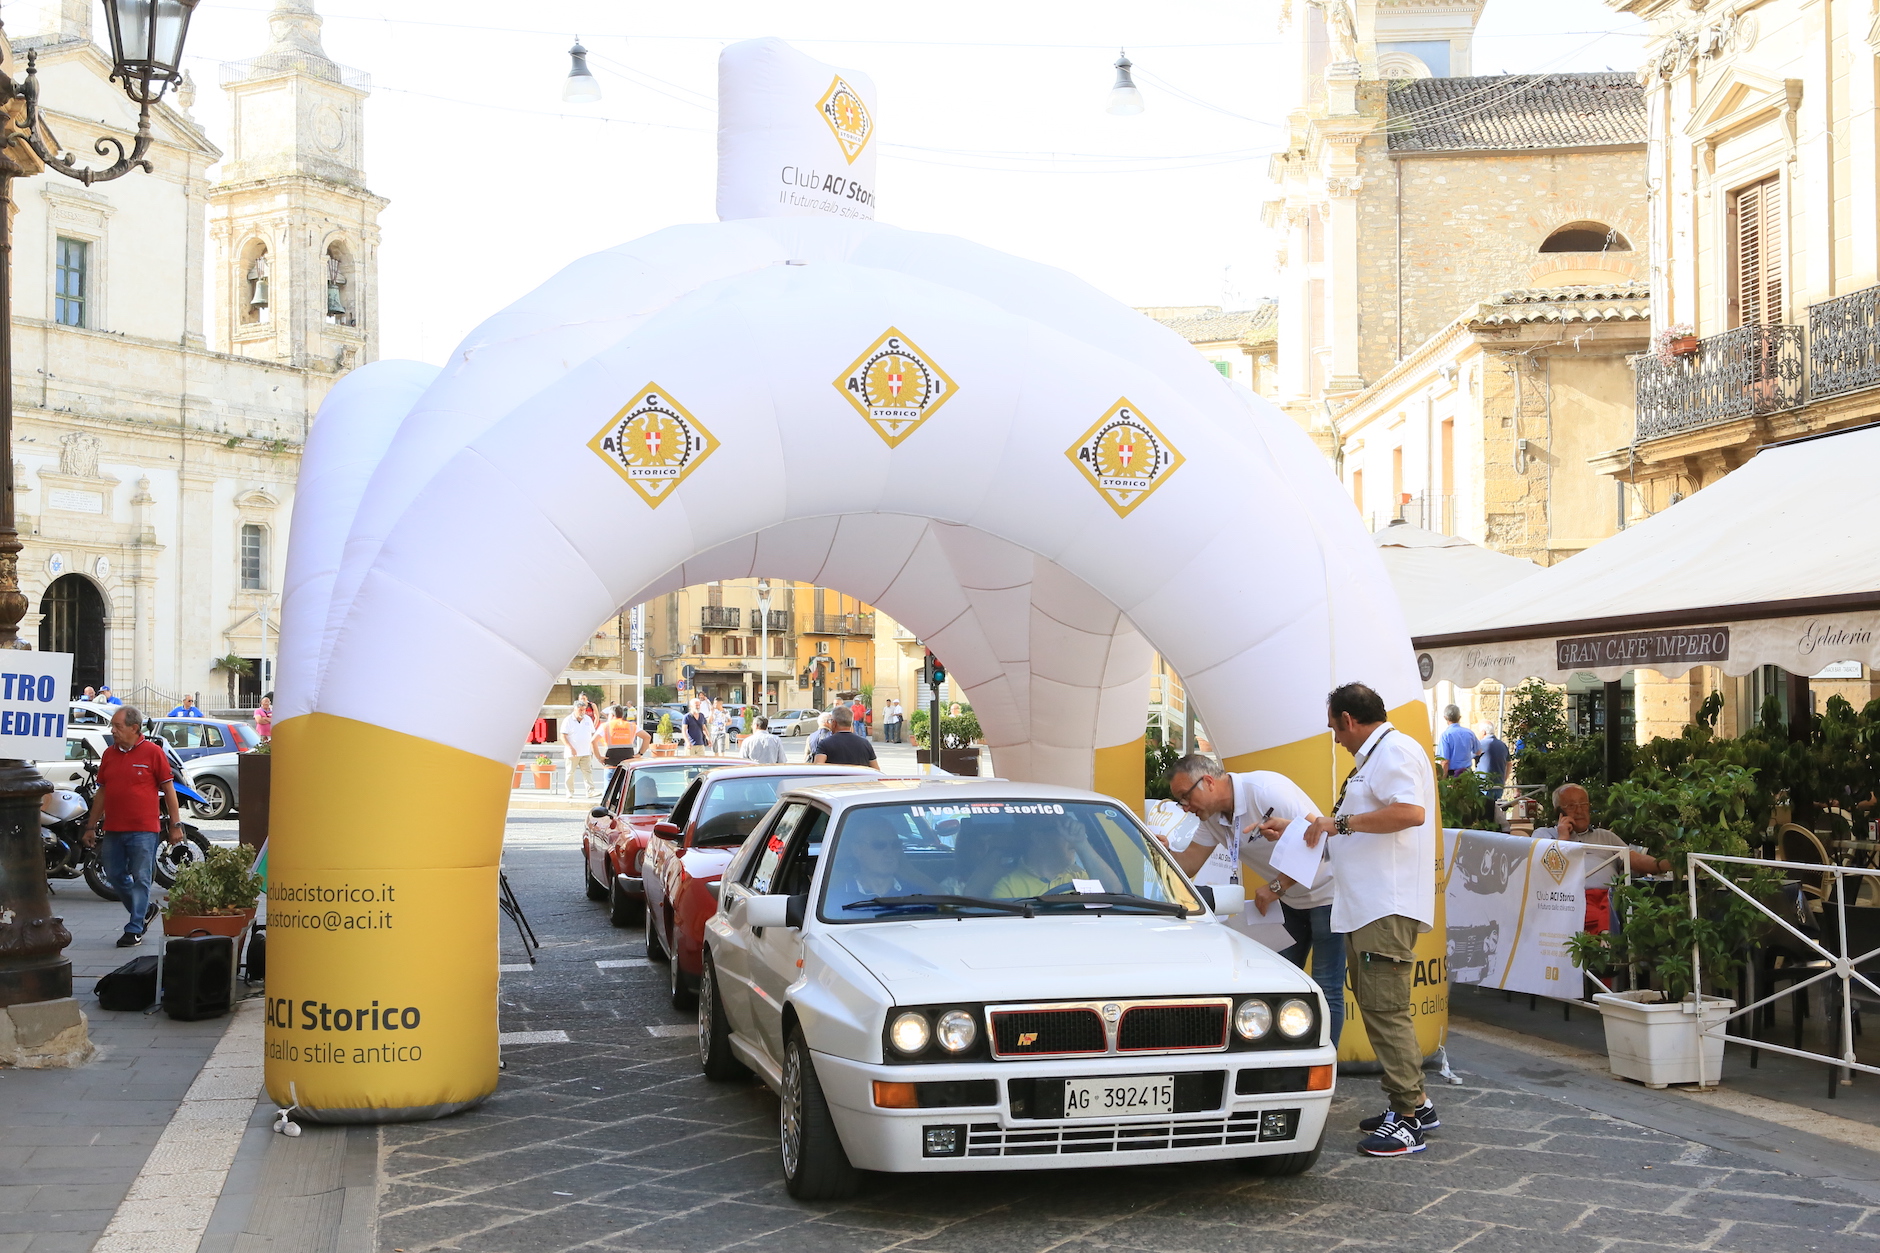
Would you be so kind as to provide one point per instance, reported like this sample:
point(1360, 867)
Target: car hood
point(933, 960)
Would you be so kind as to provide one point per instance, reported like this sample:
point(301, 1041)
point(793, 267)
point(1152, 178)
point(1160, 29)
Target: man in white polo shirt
point(1382, 845)
point(1231, 808)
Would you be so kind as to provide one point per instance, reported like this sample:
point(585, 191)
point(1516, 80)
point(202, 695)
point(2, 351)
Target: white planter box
point(1660, 1043)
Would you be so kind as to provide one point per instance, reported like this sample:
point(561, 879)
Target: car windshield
point(994, 852)
point(732, 808)
point(656, 789)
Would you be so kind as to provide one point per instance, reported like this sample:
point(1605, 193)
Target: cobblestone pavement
point(614, 1141)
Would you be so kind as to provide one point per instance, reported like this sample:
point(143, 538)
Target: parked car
point(649, 717)
point(690, 848)
point(217, 778)
point(973, 975)
point(84, 713)
point(639, 793)
point(201, 737)
point(796, 722)
point(83, 743)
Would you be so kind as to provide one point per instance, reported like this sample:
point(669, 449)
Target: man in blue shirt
point(1457, 747)
point(1492, 765)
point(695, 732)
point(187, 709)
point(106, 698)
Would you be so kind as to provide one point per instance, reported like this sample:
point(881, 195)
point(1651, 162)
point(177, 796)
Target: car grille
point(992, 1140)
point(1082, 1028)
point(1047, 1032)
point(1166, 1028)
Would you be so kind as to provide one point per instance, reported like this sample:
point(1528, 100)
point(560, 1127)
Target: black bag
point(255, 957)
point(132, 986)
point(198, 974)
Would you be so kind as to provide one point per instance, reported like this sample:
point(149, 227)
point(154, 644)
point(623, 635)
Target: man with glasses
point(870, 864)
point(1231, 808)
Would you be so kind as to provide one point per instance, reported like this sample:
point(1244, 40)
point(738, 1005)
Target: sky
point(990, 116)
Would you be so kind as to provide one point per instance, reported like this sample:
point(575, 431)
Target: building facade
point(1240, 343)
point(155, 458)
point(1765, 239)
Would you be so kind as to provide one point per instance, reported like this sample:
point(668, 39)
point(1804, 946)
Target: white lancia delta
point(968, 975)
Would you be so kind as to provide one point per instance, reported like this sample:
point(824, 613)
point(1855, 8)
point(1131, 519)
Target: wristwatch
point(1341, 825)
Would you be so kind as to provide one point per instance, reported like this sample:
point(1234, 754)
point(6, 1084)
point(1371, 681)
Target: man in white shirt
point(1232, 806)
point(761, 746)
point(577, 735)
point(1575, 810)
point(1382, 845)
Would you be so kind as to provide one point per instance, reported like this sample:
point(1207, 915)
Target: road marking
point(169, 1203)
point(671, 1032)
point(510, 970)
point(622, 963)
point(532, 1037)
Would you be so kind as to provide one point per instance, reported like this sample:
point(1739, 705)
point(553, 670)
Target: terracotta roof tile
point(1209, 324)
point(1514, 111)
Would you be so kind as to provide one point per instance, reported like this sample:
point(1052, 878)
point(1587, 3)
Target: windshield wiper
point(1111, 898)
point(971, 902)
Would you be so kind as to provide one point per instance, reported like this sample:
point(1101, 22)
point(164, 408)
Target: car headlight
point(1253, 1019)
point(1295, 1018)
point(957, 1030)
point(909, 1032)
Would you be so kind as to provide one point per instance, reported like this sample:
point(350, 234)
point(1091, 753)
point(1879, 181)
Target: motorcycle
point(62, 830)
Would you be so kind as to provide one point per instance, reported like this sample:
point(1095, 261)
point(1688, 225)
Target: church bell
point(333, 303)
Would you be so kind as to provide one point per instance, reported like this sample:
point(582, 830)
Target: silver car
point(795, 722)
point(217, 779)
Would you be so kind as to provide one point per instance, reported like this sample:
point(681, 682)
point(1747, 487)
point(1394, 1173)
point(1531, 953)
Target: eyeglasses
point(1182, 799)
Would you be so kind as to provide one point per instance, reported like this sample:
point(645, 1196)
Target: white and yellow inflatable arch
point(1040, 482)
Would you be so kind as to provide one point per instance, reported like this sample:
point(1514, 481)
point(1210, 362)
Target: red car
point(639, 793)
point(693, 845)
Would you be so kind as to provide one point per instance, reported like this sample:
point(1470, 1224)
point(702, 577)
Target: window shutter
point(1756, 281)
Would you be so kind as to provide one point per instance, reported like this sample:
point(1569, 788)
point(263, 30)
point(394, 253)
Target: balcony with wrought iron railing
point(843, 624)
point(719, 617)
point(1744, 373)
point(778, 621)
point(1844, 344)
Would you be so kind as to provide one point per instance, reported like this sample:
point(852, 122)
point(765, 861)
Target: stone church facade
point(157, 442)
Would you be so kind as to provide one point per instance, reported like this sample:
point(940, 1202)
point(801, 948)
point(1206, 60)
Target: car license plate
point(1110, 1098)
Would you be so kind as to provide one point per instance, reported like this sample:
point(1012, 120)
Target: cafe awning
point(1776, 564)
point(1433, 573)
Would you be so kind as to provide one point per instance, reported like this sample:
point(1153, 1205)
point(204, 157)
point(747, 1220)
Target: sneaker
point(1425, 1116)
point(151, 912)
point(130, 939)
point(1396, 1136)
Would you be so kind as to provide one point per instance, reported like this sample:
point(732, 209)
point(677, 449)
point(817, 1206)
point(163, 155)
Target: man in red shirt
point(132, 775)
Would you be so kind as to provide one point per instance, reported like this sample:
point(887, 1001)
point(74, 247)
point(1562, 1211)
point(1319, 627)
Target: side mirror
point(599, 811)
point(1228, 899)
point(666, 830)
point(767, 911)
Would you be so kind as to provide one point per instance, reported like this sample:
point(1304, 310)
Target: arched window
point(1586, 237)
point(72, 614)
point(254, 557)
point(256, 296)
point(341, 305)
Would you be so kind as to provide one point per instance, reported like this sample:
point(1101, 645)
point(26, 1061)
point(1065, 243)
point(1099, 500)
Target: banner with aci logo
point(34, 690)
point(1513, 902)
point(796, 137)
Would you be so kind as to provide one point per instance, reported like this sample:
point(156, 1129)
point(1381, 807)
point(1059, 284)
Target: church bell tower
point(292, 227)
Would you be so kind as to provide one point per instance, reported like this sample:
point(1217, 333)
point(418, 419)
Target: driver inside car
point(1056, 854)
point(871, 863)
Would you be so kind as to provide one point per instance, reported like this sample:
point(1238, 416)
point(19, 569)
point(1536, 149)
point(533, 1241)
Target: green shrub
point(1463, 801)
point(960, 732)
point(223, 882)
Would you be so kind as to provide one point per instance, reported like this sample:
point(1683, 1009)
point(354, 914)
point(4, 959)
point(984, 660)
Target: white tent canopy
point(1777, 564)
point(1434, 573)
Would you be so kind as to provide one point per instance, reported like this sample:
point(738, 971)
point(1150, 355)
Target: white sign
point(76, 502)
point(1839, 670)
point(1512, 904)
point(34, 689)
point(796, 137)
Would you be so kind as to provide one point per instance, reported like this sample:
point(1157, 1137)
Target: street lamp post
point(763, 649)
point(146, 59)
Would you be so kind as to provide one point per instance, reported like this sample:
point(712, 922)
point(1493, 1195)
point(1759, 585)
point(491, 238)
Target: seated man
point(1575, 810)
point(1057, 853)
point(868, 864)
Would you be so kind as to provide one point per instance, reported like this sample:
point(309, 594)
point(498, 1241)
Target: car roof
point(944, 791)
point(637, 762)
point(763, 771)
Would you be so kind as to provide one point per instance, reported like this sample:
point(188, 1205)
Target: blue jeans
point(1311, 931)
point(129, 858)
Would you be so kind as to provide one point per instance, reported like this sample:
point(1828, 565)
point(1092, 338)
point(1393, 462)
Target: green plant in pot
point(665, 733)
point(1697, 806)
point(222, 885)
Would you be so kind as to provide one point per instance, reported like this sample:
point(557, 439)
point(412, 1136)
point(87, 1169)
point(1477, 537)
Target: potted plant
point(665, 743)
point(1677, 340)
point(216, 894)
point(1667, 1031)
point(544, 772)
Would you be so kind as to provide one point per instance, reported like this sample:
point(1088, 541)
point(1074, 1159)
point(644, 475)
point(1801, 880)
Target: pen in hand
point(1264, 818)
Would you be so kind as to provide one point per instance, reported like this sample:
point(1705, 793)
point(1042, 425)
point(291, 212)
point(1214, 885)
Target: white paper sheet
point(1293, 859)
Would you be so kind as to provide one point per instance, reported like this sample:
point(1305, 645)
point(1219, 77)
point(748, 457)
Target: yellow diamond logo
point(1124, 457)
point(1555, 862)
point(895, 386)
point(653, 444)
point(842, 107)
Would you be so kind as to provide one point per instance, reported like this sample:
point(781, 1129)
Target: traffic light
point(936, 672)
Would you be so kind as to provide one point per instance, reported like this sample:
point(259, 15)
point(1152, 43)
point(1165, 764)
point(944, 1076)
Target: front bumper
point(992, 1138)
point(631, 885)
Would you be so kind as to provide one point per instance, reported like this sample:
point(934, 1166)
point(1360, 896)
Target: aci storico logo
point(895, 386)
point(1124, 457)
point(654, 443)
point(842, 107)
